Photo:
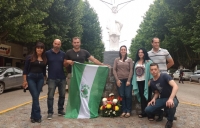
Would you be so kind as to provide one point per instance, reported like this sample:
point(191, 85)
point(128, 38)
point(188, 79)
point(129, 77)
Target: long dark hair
point(146, 56)
point(120, 56)
point(34, 56)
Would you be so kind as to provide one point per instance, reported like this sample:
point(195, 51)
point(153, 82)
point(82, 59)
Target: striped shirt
point(160, 58)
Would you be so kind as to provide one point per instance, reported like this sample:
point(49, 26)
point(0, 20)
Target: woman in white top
point(141, 77)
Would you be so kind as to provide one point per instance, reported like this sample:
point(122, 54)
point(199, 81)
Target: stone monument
point(114, 28)
point(114, 31)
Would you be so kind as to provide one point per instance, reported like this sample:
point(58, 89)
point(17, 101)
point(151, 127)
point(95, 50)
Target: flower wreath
point(110, 107)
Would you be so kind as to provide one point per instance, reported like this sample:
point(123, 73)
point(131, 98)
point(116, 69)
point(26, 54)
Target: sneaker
point(49, 117)
point(61, 113)
point(169, 124)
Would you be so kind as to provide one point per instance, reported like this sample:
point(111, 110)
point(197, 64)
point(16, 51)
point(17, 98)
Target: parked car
point(195, 77)
point(186, 74)
point(10, 77)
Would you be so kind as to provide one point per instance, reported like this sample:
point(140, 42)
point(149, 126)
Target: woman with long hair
point(123, 71)
point(33, 75)
point(141, 77)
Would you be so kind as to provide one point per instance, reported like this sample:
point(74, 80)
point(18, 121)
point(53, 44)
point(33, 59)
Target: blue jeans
point(52, 84)
point(160, 104)
point(35, 84)
point(125, 93)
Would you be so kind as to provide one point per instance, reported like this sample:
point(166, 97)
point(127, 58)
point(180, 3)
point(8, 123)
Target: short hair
point(75, 38)
point(154, 38)
point(154, 64)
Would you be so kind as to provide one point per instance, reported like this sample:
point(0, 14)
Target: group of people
point(34, 74)
point(146, 75)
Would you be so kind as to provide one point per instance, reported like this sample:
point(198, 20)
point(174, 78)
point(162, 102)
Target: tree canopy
point(28, 21)
point(177, 24)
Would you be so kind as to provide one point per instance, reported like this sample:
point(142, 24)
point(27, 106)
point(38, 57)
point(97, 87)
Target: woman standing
point(123, 71)
point(33, 74)
point(141, 77)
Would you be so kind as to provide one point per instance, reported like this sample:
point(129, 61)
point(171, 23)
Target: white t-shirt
point(140, 72)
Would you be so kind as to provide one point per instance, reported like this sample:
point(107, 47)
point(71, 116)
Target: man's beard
point(56, 48)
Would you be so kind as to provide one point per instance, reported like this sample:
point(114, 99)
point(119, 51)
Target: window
point(18, 71)
point(9, 72)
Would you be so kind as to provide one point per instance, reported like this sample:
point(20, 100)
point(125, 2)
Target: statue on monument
point(114, 26)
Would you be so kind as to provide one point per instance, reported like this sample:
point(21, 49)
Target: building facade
point(12, 54)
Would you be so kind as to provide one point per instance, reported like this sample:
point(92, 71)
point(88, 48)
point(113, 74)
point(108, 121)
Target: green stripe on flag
point(97, 90)
point(73, 104)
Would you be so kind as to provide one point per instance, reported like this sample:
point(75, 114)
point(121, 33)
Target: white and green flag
point(86, 89)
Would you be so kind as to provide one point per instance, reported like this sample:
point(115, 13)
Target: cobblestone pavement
point(188, 117)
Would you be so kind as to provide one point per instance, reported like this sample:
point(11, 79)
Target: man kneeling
point(165, 90)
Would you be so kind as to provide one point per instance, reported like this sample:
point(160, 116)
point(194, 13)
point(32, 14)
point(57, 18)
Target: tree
point(21, 20)
point(91, 36)
point(176, 24)
point(63, 22)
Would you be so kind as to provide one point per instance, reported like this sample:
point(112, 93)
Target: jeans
point(52, 84)
point(144, 101)
point(125, 93)
point(35, 84)
point(160, 104)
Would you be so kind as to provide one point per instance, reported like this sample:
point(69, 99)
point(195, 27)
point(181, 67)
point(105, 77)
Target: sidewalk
point(188, 117)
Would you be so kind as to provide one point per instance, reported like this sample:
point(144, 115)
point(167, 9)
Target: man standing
point(163, 86)
point(181, 76)
point(56, 78)
point(160, 56)
point(79, 55)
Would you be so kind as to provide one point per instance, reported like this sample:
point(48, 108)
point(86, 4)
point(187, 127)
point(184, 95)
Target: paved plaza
point(188, 117)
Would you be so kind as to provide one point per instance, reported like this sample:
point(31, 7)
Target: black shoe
point(38, 121)
point(61, 113)
point(169, 124)
point(32, 121)
point(49, 117)
point(160, 117)
point(175, 118)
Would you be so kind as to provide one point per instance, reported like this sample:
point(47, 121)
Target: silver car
point(186, 74)
point(196, 76)
point(10, 77)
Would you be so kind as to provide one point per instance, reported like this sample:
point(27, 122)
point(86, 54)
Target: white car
point(195, 77)
point(186, 74)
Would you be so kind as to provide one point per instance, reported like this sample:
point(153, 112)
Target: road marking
point(20, 105)
point(188, 103)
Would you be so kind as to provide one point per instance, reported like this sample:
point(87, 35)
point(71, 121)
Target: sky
point(131, 15)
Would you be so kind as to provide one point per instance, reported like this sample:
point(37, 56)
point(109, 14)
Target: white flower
point(114, 112)
point(104, 99)
point(115, 101)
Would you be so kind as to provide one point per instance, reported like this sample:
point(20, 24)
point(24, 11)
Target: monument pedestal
point(109, 57)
